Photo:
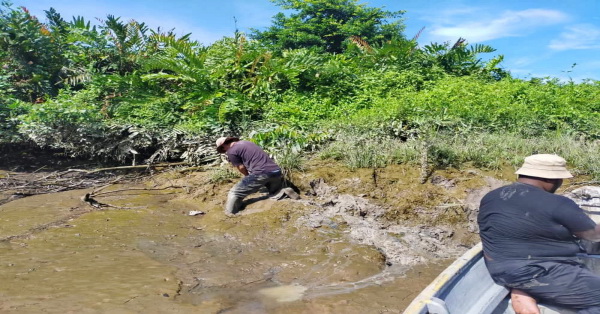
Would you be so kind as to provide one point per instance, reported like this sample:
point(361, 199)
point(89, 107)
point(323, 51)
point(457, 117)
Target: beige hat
point(545, 166)
point(224, 140)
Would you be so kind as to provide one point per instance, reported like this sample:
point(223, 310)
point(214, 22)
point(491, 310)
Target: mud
point(399, 244)
point(355, 243)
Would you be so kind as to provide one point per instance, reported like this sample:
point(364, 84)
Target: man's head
point(547, 171)
point(223, 143)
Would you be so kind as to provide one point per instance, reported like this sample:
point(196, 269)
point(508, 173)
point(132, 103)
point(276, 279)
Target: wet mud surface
point(334, 251)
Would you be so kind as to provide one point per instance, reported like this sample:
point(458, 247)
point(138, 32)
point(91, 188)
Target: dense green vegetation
point(335, 76)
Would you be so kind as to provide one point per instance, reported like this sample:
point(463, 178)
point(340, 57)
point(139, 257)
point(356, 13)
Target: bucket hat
point(545, 166)
point(224, 140)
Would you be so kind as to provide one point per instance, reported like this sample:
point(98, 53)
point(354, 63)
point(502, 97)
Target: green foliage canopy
point(31, 54)
point(326, 25)
point(119, 87)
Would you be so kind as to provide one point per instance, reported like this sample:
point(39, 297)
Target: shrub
point(10, 110)
point(223, 174)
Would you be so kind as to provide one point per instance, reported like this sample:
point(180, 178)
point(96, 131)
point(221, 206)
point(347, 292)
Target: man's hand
point(243, 169)
point(523, 303)
point(590, 235)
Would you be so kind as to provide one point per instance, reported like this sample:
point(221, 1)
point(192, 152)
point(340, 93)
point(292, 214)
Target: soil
point(364, 241)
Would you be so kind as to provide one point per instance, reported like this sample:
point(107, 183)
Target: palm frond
point(361, 44)
point(418, 34)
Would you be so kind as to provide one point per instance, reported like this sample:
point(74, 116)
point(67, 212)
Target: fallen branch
point(139, 189)
point(131, 167)
point(449, 205)
point(43, 183)
point(188, 169)
point(88, 199)
point(575, 185)
point(107, 185)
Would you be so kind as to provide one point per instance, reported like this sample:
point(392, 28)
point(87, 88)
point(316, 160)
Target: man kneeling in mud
point(257, 167)
point(531, 238)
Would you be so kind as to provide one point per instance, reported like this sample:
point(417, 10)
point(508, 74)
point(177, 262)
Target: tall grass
point(289, 160)
point(223, 174)
point(481, 149)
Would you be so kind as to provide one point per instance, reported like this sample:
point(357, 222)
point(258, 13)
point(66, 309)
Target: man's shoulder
point(244, 147)
point(238, 146)
point(563, 199)
point(520, 191)
point(525, 191)
point(501, 190)
point(241, 144)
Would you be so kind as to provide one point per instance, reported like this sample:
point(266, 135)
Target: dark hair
point(536, 178)
point(231, 139)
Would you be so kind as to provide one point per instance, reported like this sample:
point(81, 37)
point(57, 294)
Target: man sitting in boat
point(531, 238)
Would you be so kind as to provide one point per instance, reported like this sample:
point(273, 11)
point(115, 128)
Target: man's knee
point(233, 193)
point(240, 190)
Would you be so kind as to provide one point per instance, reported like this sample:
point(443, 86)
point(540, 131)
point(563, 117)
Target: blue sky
point(538, 38)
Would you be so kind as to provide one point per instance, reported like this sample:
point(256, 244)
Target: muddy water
point(58, 255)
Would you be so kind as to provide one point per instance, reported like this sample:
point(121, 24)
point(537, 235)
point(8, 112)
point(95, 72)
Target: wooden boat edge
point(419, 303)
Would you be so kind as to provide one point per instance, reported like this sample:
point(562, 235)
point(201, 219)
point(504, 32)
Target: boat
point(466, 287)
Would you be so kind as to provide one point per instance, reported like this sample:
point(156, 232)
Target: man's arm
point(590, 235)
point(242, 169)
point(574, 218)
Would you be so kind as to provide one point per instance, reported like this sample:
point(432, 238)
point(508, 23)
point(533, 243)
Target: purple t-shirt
point(256, 160)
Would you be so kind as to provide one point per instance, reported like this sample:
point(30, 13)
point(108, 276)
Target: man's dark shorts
point(566, 283)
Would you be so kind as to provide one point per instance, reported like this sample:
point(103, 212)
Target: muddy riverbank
point(356, 242)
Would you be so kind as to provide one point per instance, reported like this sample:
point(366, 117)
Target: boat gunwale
point(440, 284)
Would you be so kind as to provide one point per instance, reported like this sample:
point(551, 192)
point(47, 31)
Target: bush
point(10, 110)
point(75, 124)
point(223, 174)
point(468, 103)
point(358, 152)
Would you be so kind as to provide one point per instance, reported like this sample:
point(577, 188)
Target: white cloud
point(581, 36)
point(523, 61)
point(591, 65)
point(510, 24)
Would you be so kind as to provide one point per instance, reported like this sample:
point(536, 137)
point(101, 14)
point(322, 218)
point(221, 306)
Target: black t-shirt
point(522, 222)
point(256, 160)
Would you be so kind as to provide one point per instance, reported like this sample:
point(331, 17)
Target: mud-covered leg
point(238, 192)
point(274, 185)
point(234, 203)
